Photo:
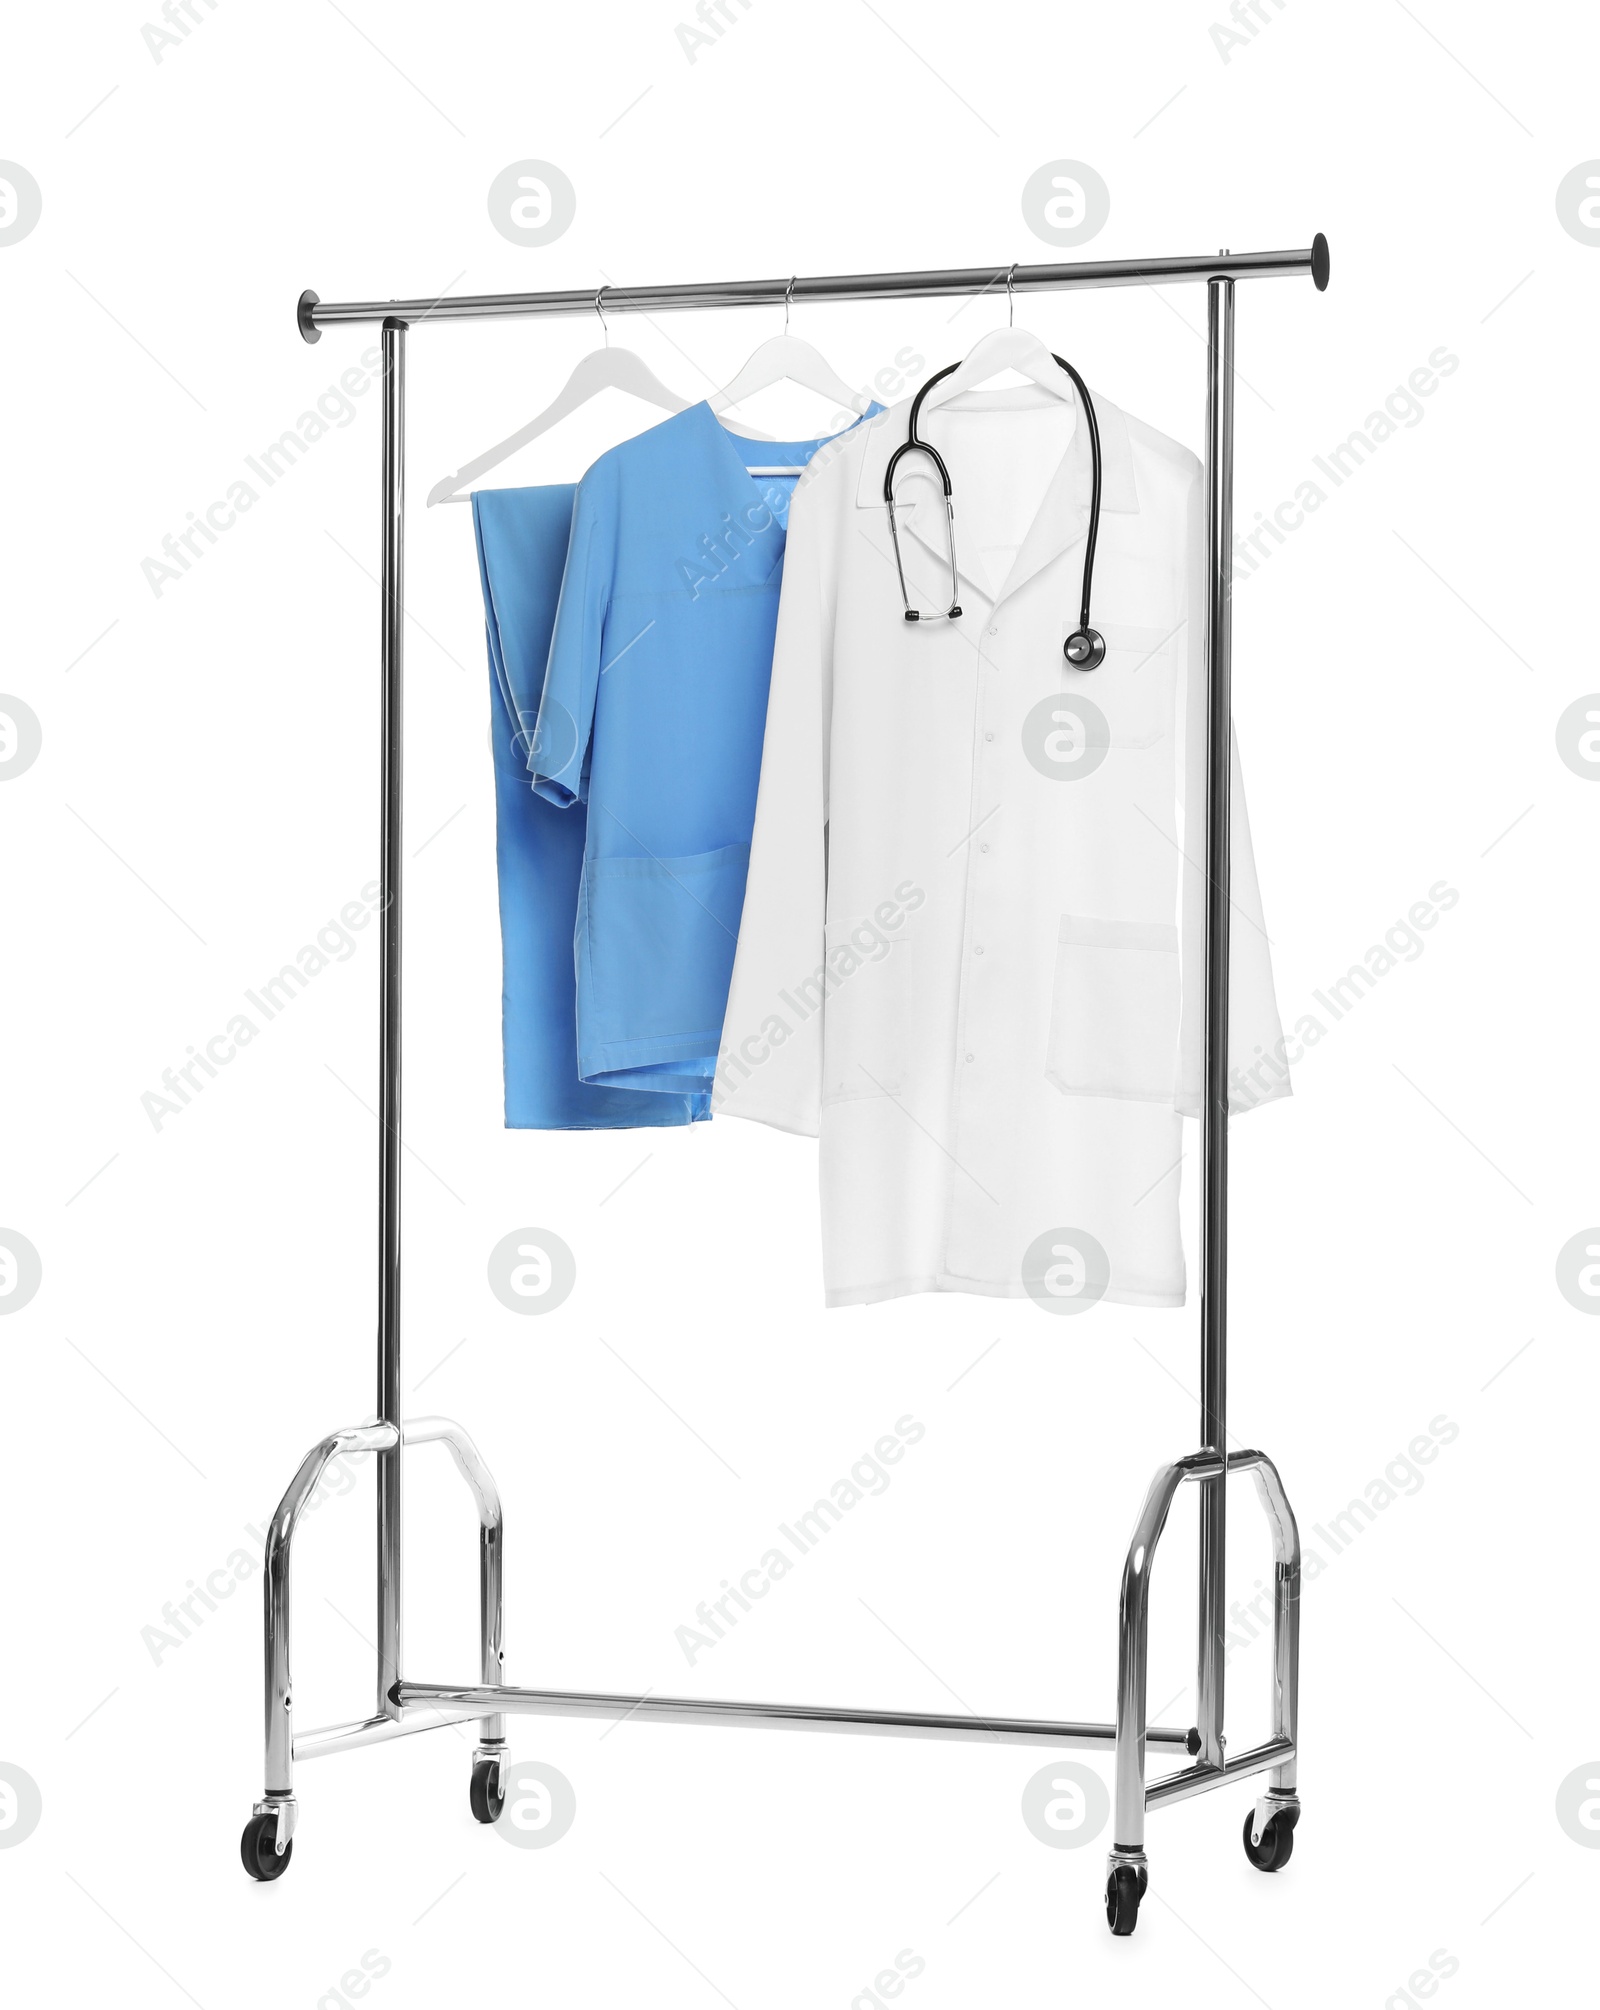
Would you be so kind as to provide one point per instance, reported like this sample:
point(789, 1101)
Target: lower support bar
point(1202, 1778)
point(368, 1731)
point(479, 1702)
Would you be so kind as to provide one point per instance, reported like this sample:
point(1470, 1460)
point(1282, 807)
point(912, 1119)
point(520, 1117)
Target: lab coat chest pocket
point(869, 980)
point(1114, 1013)
point(1134, 686)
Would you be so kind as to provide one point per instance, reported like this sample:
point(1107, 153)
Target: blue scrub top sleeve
point(559, 759)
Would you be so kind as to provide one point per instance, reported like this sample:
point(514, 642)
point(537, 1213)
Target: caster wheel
point(1277, 1839)
point(1124, 1888)
point(488, 1798)
point(258, 1849)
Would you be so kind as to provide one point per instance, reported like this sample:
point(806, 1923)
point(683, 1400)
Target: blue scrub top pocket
point(677, 918)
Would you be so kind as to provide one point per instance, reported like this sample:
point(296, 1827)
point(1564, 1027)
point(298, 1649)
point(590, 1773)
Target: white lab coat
point(971, 954)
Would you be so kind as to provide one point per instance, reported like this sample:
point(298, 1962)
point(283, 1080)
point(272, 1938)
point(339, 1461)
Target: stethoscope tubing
point(1093, 649)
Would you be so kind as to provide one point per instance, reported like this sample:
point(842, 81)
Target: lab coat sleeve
point(770, 1064)
point(1258, 1071)
point(558, 761)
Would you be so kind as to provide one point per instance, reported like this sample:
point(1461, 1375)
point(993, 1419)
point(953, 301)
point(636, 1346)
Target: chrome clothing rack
point(403, 1706)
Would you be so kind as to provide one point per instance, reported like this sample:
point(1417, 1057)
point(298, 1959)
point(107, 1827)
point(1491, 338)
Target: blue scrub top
point(522, 547)
point(654, 707)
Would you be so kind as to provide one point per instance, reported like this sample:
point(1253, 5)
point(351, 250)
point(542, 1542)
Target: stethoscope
point(1085, 647)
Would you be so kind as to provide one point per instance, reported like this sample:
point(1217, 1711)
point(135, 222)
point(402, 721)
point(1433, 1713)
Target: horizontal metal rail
point(1202, 1778)
point(463, 1703)
point(315, 315)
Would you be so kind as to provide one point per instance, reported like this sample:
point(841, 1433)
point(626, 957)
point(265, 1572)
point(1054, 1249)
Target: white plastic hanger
point(601, 370)
point(1008, 348)
point(785, 358)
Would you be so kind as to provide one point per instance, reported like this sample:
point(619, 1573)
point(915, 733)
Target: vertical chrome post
point(1214, 1112)
point(275, 1606)
point(1133, 1654)
point(1286, 1669)
point(1285, 1622)
point(280, 1692)
point(393, 617)
point(491, 1623)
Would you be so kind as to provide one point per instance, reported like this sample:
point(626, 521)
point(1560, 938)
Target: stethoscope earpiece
point(1085, 649)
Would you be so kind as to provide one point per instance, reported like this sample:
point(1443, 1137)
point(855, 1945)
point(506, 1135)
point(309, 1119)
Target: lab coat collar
point(1062, 520)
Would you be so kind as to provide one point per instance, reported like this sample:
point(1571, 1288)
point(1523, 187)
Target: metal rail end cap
point(1319, 262)
point(310, 332)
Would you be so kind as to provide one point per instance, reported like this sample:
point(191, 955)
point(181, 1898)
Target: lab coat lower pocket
point(868, 979)
point(1114, 1014)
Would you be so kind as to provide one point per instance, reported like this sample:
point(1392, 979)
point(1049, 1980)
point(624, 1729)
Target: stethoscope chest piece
point(1085, 649)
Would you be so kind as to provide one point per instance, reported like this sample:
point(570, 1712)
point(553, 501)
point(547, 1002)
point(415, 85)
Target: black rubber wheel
point(1124, 1888)
point(488, 1798)
point(258, 1849)
point(1277, 1839)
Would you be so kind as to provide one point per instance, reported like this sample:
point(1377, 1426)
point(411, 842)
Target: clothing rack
point(404, 1706)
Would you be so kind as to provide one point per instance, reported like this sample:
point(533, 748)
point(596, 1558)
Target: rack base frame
point(404, 1707)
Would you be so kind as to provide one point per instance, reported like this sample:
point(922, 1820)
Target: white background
point(206, 798)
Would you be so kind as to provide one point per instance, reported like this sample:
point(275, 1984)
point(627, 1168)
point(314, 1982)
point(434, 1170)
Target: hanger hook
point(788, 295)
point(1011, 299)
point(599, 308)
